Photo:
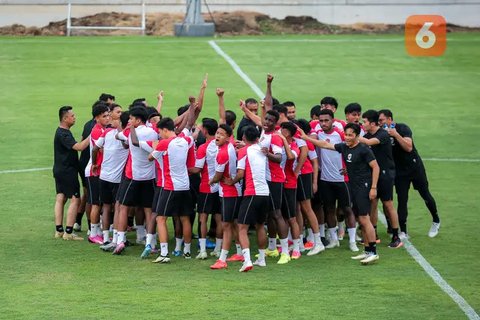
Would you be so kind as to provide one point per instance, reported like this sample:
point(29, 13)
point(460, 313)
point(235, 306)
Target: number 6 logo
point(425, 35)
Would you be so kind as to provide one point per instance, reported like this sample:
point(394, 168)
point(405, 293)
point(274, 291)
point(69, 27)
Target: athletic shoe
point(209, 244)
point(341, 234)
point(353, 247)
point(272, 253)
point(162, 259)
point(296, 255)
point(119, 248)
point(325, 242)
point(141, 241)
point(316, 250)
point(284, 258)
point(176, 253)
point(58, 235)
point(215, 254)
point(187, 255)
point(309, 245)
point(397, 243)
point(434, 229)
point(236, 257)
point(370, 258)
point(246, 266)
point(357, 238)
point(260, 263)
point(202, 255)
point(108, 247)
point(146, 252)
point(403, 236)
point(95, 240)
point(333, 244)
point(71, 236)
point(361, 256)
point(219, 264)
point(77, 227)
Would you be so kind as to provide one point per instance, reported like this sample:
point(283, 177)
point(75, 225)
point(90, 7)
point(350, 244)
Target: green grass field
point(45, 278)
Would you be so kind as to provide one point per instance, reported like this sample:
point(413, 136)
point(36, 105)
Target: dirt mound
point(227, 23)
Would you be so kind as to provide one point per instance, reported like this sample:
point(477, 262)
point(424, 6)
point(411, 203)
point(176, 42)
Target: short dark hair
point(288, 104)
point(98, 103)
point(353, 107)
point(355, 127)
point(250, 100)
point(304, 125)
point(274, 114)
point(137, 103)
point(227, 129)
point(63, 110)
point(124, 117)
point(386, 112)
point(280, 108)
point(166, 123)
point(275, 101)
point(99, 109)
point(152, 112)
point(113, 106)
point(326, 111)
point(315, 110)
point(329, 100)
point(105, 96)
point(139, 113)
point(230, 117)
point(251, 133)
point(371, 116)
point(290, 126)
point(211, 125)
point(182, 109)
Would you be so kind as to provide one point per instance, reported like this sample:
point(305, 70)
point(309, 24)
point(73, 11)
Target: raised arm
point(268, 94)
point(202, 94)
point(221, 106)
point(160, 102)
point(249, 114)
point(319, 143)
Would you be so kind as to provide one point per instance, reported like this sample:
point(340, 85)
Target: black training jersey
point(65, 158)
point(85, 154)
point(405, 161)
point(357, 160)
point(382, 151)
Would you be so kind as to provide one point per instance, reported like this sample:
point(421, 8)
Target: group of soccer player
point(301, 182)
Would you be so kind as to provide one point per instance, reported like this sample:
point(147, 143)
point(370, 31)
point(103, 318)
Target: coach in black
point(65, 172)
point(409, 170)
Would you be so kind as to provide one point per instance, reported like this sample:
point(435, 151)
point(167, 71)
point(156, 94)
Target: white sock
point(203, 244)
point(163, 248)
point(186, 248)
point(300, 243)
point(121, 237)
point(322, 230)
point(223, 255)
point(155, 237)
point(289, 235)
point(141, 232)
point(99, 230)
point(93, 230)
point(239, 249)
point(218, 244)
point(110, 228)
point(310, 235)
point(351, 234)
point(272, 244)
point(296, 244)
point(106, 236)
point(284, 245)
point(316, 239)
point(333, 234)
point(150, 240)
point(115, 236)
point(246, 255)
point(178, 244)
point(261, 254)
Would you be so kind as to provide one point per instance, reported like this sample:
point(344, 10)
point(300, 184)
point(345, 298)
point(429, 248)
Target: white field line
point(451, 159)
point(437, 278)
point(25, 170)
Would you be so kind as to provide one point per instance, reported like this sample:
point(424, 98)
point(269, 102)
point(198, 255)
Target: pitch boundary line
point(24, 170)
point(412, 251)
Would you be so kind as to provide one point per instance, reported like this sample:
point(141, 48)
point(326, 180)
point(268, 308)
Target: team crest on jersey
point(328, 140)
point(349, 157)
point(392, 140)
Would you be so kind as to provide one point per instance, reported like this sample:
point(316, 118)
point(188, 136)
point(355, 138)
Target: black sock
point(59, 228)
point(130, 221)
point(69, 230)
point(403, 227)
point(435, 217)
point(376, 234)
point(372, 247)
point(79, 218)
point(89, 224)
point(394, 233)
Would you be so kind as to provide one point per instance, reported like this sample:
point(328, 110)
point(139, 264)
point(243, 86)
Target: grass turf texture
point(45, 278)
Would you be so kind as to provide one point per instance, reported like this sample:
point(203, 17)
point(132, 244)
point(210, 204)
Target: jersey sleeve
point(121, 136)
point(221, 161)
point(368, 154)
point(300, 142)
point(67, 140)
point(340, 147)
point(404, 131)
point(312, 154)
point(242, 159)
point(146, 145)
point(383, 137)
point(201, 156)
point(276, 144)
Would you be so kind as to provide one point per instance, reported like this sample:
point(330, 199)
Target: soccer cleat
point(108, 247)
point(309, 245)
point(176, 253)
point(215, 254)
point(146, 252)
point(141, 241)
point(187, 255)
point(246, 266)
point(119, 248)
point(95, 240)
point(162, 259)
point(236, 257)
point(272, 253)
point(353, 247)
point(219, 264)
point(209, 244)
point(58, 235)
point(316, 250)
point(333, 244)
point(71, 236)
point(77, 227)
point(361, 256)
point(403, 236)
point(260, 263)
point(397, 243)
point(202, 255)
point(325, 242)
point(284, 258)
point(370, 258)
point(434, 229)
point(295, 255)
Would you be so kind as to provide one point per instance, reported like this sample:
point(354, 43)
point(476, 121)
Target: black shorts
point(317, 196)
point(361, 204)
point(135, 193)
point(208, 203)
point(276, 190)
point(305, 187)
point(108, 191)
point(289, 203)
point(68, 185)
point(83, 179)
point(253, 210)
point(93, 195)
point(335, 191)
point(194, 188)
point(156, 197)
point(174, 203)
point(385, 186)
point(230, 207)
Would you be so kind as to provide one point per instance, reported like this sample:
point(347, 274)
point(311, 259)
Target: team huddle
point(296, 182)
